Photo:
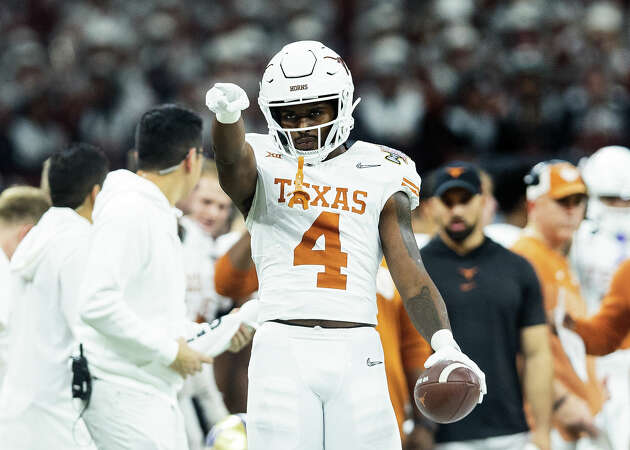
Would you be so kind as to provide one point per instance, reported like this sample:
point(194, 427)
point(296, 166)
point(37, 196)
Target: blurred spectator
point(20, 209)
point(601, 243)
point(205, 237)
point(557, 202)
point(440, 79)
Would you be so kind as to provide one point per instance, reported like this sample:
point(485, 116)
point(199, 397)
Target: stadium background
point(503, 83)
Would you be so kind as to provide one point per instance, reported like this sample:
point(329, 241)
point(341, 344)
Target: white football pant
point(124, 418)
point(318, 388)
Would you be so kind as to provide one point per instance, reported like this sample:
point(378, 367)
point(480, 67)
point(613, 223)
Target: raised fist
point(227, 100)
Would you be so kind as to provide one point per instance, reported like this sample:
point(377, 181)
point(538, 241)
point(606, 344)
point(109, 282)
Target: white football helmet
point(308, 72)
point(607, 174)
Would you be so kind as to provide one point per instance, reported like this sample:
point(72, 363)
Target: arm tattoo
point(423, 302)
point(427, 312)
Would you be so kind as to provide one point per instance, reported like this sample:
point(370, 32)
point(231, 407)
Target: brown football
point(447, 391)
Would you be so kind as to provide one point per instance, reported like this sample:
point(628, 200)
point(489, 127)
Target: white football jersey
point(595, 255)
point(321, 262)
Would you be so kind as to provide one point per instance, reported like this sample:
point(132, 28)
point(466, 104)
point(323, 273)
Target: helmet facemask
point(338, 134)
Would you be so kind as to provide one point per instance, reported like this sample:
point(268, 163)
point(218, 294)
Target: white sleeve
point(403, 178)
point(118, 250)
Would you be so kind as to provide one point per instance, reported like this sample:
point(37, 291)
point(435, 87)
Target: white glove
point(227, 100)
point(447, 349)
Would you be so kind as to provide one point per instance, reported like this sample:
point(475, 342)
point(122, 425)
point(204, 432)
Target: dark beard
point(459, 236)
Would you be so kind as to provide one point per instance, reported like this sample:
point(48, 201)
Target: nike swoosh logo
point(371, 363)
point(366, 166)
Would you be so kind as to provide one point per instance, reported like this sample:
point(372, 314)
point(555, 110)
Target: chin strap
point(299, 195)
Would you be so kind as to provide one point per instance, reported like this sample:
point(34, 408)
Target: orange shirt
point(403, 346)
point(556, 279)
point(604, 332)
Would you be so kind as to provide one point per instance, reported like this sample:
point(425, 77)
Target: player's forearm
point(228, 142)
point(426, 308)
point(236, 163)
point(422, 300)
point(538, 386)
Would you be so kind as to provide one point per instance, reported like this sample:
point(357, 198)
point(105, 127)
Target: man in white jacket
point(20, 209)
point(134, 289)
point(47, 267)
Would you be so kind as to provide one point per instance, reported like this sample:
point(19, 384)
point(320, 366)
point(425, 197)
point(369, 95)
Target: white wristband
point(228, 117)
point(443, 338)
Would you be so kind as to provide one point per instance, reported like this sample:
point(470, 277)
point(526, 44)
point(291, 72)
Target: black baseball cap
point(456, 174)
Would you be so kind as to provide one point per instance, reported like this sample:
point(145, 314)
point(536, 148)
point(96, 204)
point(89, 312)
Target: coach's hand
point(227, 100)
point(188, 361)
point(447, 349)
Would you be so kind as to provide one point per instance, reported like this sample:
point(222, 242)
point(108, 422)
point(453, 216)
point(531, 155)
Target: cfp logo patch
point(394, 155)
point(298, 87)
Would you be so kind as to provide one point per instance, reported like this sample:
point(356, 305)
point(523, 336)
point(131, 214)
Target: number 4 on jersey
point(332, 258)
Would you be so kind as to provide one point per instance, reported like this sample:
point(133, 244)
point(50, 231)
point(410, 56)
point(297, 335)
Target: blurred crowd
point(471, 79)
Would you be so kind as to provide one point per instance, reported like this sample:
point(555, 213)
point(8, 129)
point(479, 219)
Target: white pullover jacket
point(134, 287)
point(47, 269)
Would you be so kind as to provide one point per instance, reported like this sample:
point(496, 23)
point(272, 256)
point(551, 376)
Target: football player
point(601, 243)
point(322, 211)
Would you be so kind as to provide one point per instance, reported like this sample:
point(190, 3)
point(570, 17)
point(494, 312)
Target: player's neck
point(336, 152)
point(473, 241)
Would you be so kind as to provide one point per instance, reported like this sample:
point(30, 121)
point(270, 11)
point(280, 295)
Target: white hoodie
point(5, 280)
point(47, 268)
point(134, 287)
